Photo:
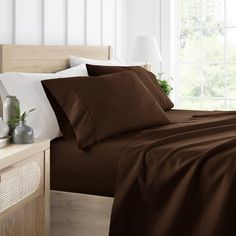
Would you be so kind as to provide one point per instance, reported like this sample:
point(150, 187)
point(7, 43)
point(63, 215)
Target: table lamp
point(146, 50)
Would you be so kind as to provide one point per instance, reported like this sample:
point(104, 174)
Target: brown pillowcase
point(62, 119)
point(105, 106)
point(148, 78)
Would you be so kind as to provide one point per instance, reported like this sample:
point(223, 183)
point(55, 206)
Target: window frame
point(171, 17)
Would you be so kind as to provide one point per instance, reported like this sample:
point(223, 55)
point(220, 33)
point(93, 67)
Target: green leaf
point(23, 116)
point(17, 110)
point(31, 110)
point(13, 121)
point(20, 117)
point(165, 86)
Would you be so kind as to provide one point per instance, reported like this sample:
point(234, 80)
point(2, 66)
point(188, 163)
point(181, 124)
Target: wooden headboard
point(45, 59)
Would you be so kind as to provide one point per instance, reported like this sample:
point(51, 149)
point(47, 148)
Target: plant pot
point(23, 134)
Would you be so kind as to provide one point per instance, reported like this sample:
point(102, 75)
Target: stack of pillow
point(91, 101)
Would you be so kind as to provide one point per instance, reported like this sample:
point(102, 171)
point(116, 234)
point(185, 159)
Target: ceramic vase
point(23, 134)
point(9, 111)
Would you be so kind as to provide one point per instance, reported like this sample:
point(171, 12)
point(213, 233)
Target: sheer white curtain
point(199, 50)
point(168, 17)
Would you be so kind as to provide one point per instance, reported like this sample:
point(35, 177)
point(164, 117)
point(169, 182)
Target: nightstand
point(24, 189)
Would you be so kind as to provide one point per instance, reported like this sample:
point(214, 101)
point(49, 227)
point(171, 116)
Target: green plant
point(164, 83)
point(19, 117)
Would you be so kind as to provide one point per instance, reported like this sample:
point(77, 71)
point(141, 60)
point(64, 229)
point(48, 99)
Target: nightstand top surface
point(13, 153)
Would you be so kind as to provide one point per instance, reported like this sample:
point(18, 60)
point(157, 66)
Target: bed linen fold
point(179, 179)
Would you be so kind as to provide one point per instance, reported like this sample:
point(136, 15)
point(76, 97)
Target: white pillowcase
point(79, 70)
point(28, 89)
point(3, 92)
point(75, 61)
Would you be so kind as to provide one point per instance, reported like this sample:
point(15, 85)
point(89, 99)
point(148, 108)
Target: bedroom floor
point(79, 214)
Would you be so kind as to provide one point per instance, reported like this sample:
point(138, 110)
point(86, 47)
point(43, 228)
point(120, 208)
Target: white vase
point(4, 129)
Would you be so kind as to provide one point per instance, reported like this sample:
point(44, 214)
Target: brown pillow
point(62, 119)
point(105, 106)
point(148, 78)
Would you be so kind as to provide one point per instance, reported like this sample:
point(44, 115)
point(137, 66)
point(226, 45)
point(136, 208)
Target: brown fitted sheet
point(93, 170)
point(89, 171)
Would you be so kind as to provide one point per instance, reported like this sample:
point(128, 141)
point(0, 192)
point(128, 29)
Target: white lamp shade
point(146, 49)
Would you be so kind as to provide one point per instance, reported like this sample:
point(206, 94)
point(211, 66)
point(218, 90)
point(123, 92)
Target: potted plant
point(22, 133)
point(164, 81)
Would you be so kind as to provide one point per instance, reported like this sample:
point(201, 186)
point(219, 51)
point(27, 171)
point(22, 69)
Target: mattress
point(93, 170)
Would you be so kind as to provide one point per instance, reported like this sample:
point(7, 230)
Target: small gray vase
point(23, 134)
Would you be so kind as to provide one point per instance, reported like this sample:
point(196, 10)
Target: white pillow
point(79, 70)
point(3, 91)
point(28, 89)
point(75, 61)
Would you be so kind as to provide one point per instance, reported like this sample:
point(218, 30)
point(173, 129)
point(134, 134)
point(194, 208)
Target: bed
point(82, 206)
point(68, 162)
point(85, 167)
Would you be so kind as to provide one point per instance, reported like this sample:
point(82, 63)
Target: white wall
point(62, 22)
point(150, 17)
point(142, 18)
point(81, 22)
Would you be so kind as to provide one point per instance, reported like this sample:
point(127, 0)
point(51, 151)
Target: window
point(206, 57)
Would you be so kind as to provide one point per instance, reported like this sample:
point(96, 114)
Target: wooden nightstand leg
point(47, 191)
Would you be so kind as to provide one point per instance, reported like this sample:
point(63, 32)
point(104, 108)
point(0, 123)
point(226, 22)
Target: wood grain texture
point(25, 221)
point(1, 111)
point(74, 214)
point(8, 226)
point(45, 59)
point(1, 58)
point(14, 153)
point(18, 222)
point(47, 190)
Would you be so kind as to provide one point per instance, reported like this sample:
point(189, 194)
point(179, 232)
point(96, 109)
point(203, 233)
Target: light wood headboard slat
point(1, 59)
point(45, 59)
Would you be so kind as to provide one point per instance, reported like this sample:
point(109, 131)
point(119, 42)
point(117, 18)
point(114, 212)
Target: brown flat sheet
point(179, 179)
point(178, 116)
point(93, 171)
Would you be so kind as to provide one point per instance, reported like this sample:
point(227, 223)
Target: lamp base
point(147, 67)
